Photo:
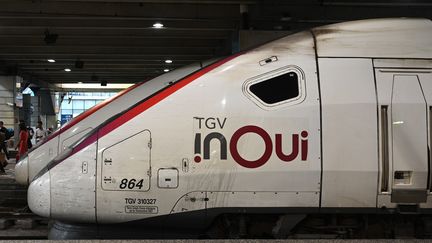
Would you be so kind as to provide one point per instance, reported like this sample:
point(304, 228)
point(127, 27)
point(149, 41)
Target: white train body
point(36, 159)
point(351, 132)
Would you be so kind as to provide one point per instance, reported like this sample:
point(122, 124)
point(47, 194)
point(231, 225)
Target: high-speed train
point(326, 130)
point(37, 158)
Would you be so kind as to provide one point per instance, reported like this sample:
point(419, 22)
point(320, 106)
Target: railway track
point(15, 225)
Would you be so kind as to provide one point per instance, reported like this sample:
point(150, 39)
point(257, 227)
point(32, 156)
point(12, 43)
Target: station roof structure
point(114, 41)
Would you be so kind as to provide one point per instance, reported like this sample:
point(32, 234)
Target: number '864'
point(131, 184)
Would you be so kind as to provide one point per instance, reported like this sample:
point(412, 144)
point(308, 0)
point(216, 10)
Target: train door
point(124, 173)
point(404, 160)
point(349, 131)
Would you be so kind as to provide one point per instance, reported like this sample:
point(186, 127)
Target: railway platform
point(16, 220)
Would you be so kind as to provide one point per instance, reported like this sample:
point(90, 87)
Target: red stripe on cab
point(88, 112)
point(130, 114)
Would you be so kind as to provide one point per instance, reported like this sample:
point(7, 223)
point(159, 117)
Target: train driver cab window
point(281, 87)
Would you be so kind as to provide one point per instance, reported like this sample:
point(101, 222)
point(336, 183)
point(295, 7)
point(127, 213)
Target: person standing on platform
point(3, 161)
point(3, 146)
point(30, 133)
point(22, 145)
point(40, 132)
point(49, 131)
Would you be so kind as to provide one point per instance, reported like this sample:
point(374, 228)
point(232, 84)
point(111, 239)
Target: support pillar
point(7, 100)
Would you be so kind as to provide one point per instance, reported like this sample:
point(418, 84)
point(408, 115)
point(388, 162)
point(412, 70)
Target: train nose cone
point(21, 171)
point(38, 195)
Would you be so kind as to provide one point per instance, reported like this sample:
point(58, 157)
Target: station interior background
point(61, 57)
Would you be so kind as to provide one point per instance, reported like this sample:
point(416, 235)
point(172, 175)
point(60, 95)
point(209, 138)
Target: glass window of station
point(75, 103)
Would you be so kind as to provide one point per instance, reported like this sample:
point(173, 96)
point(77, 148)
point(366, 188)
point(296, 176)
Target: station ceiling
point(114, 41)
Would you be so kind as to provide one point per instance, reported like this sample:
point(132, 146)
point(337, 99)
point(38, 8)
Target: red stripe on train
point(89, 112)
point(149, 103)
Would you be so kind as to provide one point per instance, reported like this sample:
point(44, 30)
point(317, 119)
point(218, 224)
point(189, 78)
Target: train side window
point(276, 88)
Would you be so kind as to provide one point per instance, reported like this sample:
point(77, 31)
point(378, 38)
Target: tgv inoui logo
point(202, 143)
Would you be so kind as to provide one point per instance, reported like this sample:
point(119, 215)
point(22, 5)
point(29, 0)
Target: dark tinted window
point(277, 89)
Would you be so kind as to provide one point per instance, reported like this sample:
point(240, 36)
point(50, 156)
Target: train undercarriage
point(260, 226)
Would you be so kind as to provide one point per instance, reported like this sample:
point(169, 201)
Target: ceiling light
point(166, 70)
point(67, 69)
point(168, 61)
point(79, 82)
point(51, 60)
point(157, 25)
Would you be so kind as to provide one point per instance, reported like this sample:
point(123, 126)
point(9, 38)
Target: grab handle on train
point(385, 149)
point(429, 185)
